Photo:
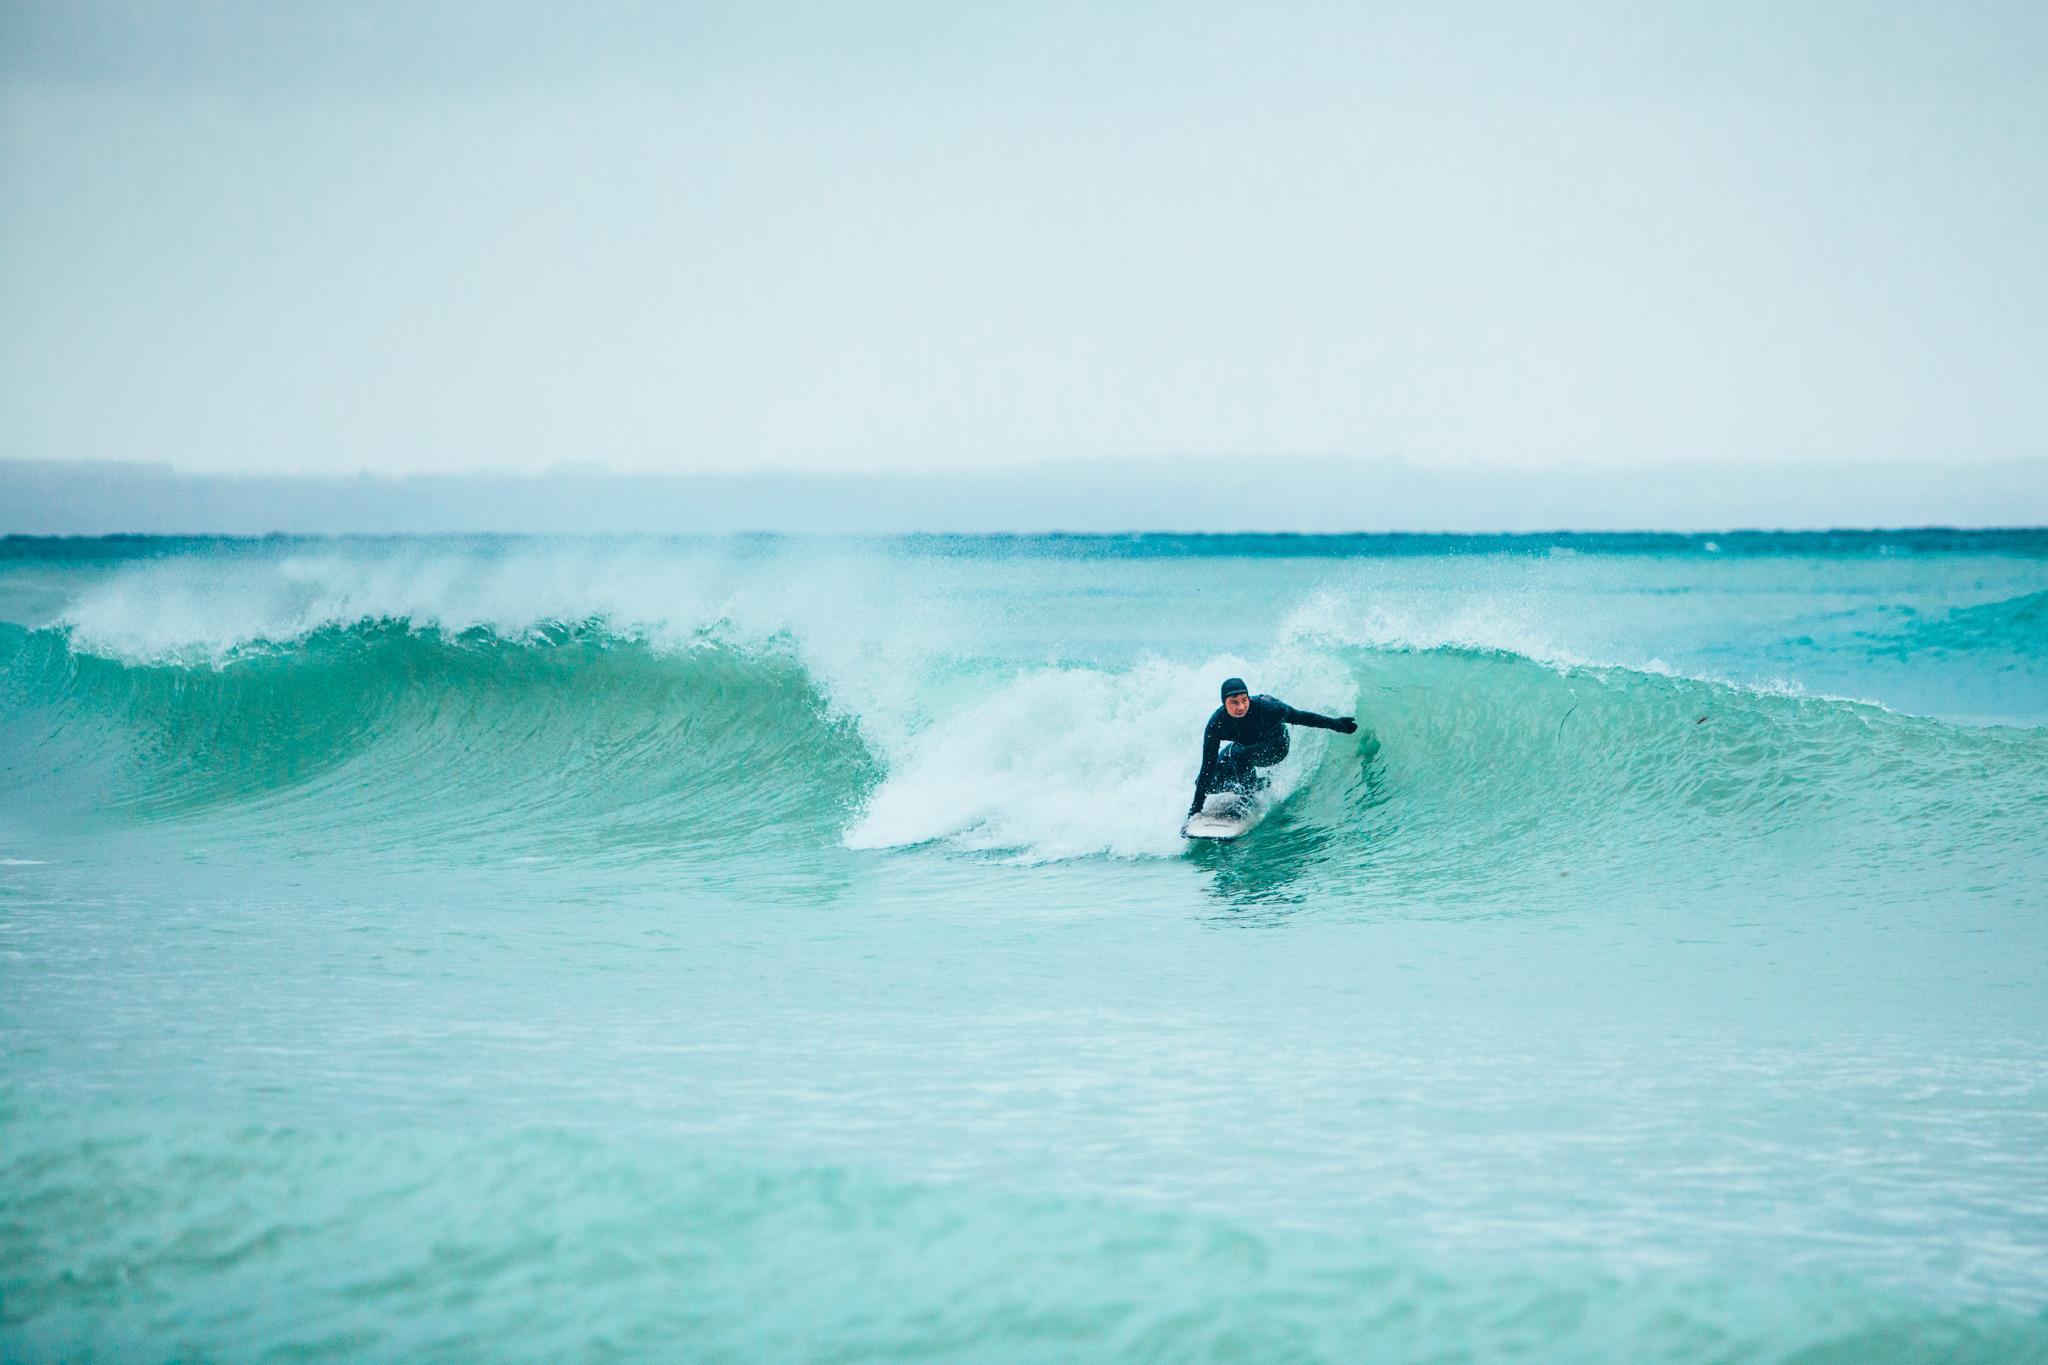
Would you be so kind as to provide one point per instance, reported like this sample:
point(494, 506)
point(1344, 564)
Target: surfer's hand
point(1345, 726)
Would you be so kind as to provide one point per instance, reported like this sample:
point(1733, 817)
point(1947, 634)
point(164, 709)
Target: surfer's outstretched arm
point(1343, 725)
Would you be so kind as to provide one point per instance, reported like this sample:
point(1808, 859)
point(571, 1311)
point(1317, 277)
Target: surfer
point(1248, 733)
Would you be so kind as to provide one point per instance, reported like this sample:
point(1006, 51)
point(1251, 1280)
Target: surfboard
point(1225, 815)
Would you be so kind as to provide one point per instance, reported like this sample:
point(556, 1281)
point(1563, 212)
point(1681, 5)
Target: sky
point(448, 238)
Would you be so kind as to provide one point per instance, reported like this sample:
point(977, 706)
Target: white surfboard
point(1225, 815)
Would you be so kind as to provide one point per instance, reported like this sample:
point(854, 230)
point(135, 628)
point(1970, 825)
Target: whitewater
point(782, 948)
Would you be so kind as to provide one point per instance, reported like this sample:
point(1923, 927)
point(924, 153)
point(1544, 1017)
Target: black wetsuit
point(1234, 748)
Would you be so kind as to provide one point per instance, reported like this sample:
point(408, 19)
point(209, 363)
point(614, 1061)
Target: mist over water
point(782, 948)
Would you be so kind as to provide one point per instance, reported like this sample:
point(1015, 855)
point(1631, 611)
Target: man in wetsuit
point(1248, 733)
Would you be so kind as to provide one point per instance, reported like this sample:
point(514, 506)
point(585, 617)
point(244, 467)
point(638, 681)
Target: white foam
point(1065, 763)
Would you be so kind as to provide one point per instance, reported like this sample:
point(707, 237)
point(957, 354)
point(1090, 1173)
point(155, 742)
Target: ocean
point(783, 949)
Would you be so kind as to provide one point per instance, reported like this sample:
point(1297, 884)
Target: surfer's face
point(1237, 703)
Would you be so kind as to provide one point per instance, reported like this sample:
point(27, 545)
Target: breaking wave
point(1477, 772)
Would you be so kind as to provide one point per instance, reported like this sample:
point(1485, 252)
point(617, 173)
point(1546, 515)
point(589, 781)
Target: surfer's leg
point(1251, 759)
point(1234, 769)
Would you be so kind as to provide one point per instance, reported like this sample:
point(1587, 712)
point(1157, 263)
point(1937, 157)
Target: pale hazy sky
point(406, 237)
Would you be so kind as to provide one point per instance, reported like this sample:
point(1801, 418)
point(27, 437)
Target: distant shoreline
point(1115, 497)
point(2028, 541)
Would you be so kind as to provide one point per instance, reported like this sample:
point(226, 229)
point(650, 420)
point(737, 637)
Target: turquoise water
point(767, 949)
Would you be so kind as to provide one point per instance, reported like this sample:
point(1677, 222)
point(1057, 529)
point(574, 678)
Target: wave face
point(1656, 973)
point(573, 743)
